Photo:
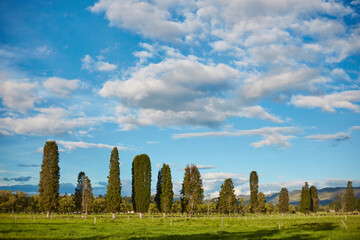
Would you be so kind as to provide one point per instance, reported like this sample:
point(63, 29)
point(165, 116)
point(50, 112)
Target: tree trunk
point(47, 214)
point(140, 215)
point(164, 214)
point(113, 216)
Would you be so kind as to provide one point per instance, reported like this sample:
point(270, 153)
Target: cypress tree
point(349, 198)
point(283, 201)
point(87, 195)
point(141, 183)
point(167, 194)
point(78, 191)
point(254, 186)
point(314, 204)
point(158, 190)
point(227, 200)
point(191, 193)
point(113, 192)
point(358, 204)
point(261, 203)
point(305, 201)
point(49, 178)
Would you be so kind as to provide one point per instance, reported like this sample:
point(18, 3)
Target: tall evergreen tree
point(227, 201)
point(314, 204)
point(191, 193)
point(78, 192)
point(87, 195)
point(283, 205)
point(141, 183)
point(305, 201)
point(254, 186)
point(349, 198)
point(261, 203)
point(49, 178)
point(158, 190)
point(358, 204)
point(167, 194)
point(113, 193)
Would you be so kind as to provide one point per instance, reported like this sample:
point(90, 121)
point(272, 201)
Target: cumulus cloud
point(48, 121)
point(152, 20)
point(61, 87)
point(265, 85)
point(271, 135)
point(329, 102)
point(19, 96)
point(88, 63)
point(71, 146)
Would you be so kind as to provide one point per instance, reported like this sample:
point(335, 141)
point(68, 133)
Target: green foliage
point(141, 183)
point(78, 192)
point(314, 204)
point(167, 194)
point(227, 201)
point(176, 207)
point(113, 192)
point(283, 205)
point(305, 201)
point(49, 177)
point(153, 208)
point(14, 202)
point(254, 186)
point(270, 207)
point(158, 190)
point(191, 192)
point(358, 204)
point(66, 204)
point(87, 195)
point(242, 207)
point(261, 203)
point(98, 206)
point(337, 204)
point(205, 228)
point(349, 198)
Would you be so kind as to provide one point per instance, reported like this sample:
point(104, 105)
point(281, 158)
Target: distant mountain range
point(326, 195)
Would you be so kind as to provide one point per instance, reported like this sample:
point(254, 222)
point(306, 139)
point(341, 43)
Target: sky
point(230, 86)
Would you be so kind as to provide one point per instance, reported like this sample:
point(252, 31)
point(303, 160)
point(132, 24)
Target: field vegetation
point(178, 226)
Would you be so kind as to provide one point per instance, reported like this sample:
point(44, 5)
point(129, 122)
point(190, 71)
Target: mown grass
point(29, 226)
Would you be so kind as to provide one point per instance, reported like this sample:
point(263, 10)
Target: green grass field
point(30, 226)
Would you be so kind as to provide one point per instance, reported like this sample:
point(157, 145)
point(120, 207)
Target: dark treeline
point(191, 200)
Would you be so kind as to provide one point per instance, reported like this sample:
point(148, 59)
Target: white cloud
point(19, 96)
point(61, 87)
point(148, 19)
point(341, 136)
point(88, 63)
point(48, 121)
point(271, 135)
point(71, 146)
point(263, 86)
point(329, 102)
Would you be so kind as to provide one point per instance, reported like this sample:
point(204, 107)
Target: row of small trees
point(191, 194)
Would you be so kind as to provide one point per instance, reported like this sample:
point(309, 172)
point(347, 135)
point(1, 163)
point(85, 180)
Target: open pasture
point(31, 226)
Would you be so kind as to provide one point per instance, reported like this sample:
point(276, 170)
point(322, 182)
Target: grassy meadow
point(31, 226)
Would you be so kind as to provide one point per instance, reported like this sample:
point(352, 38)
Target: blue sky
point(231, 86)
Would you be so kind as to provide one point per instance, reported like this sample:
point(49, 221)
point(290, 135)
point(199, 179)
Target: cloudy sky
point(231, 86)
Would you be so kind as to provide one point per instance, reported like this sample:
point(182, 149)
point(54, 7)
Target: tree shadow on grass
point(261, 234)
point(317, 226)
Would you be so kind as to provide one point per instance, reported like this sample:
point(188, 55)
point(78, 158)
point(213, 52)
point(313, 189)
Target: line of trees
point(191, 194)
